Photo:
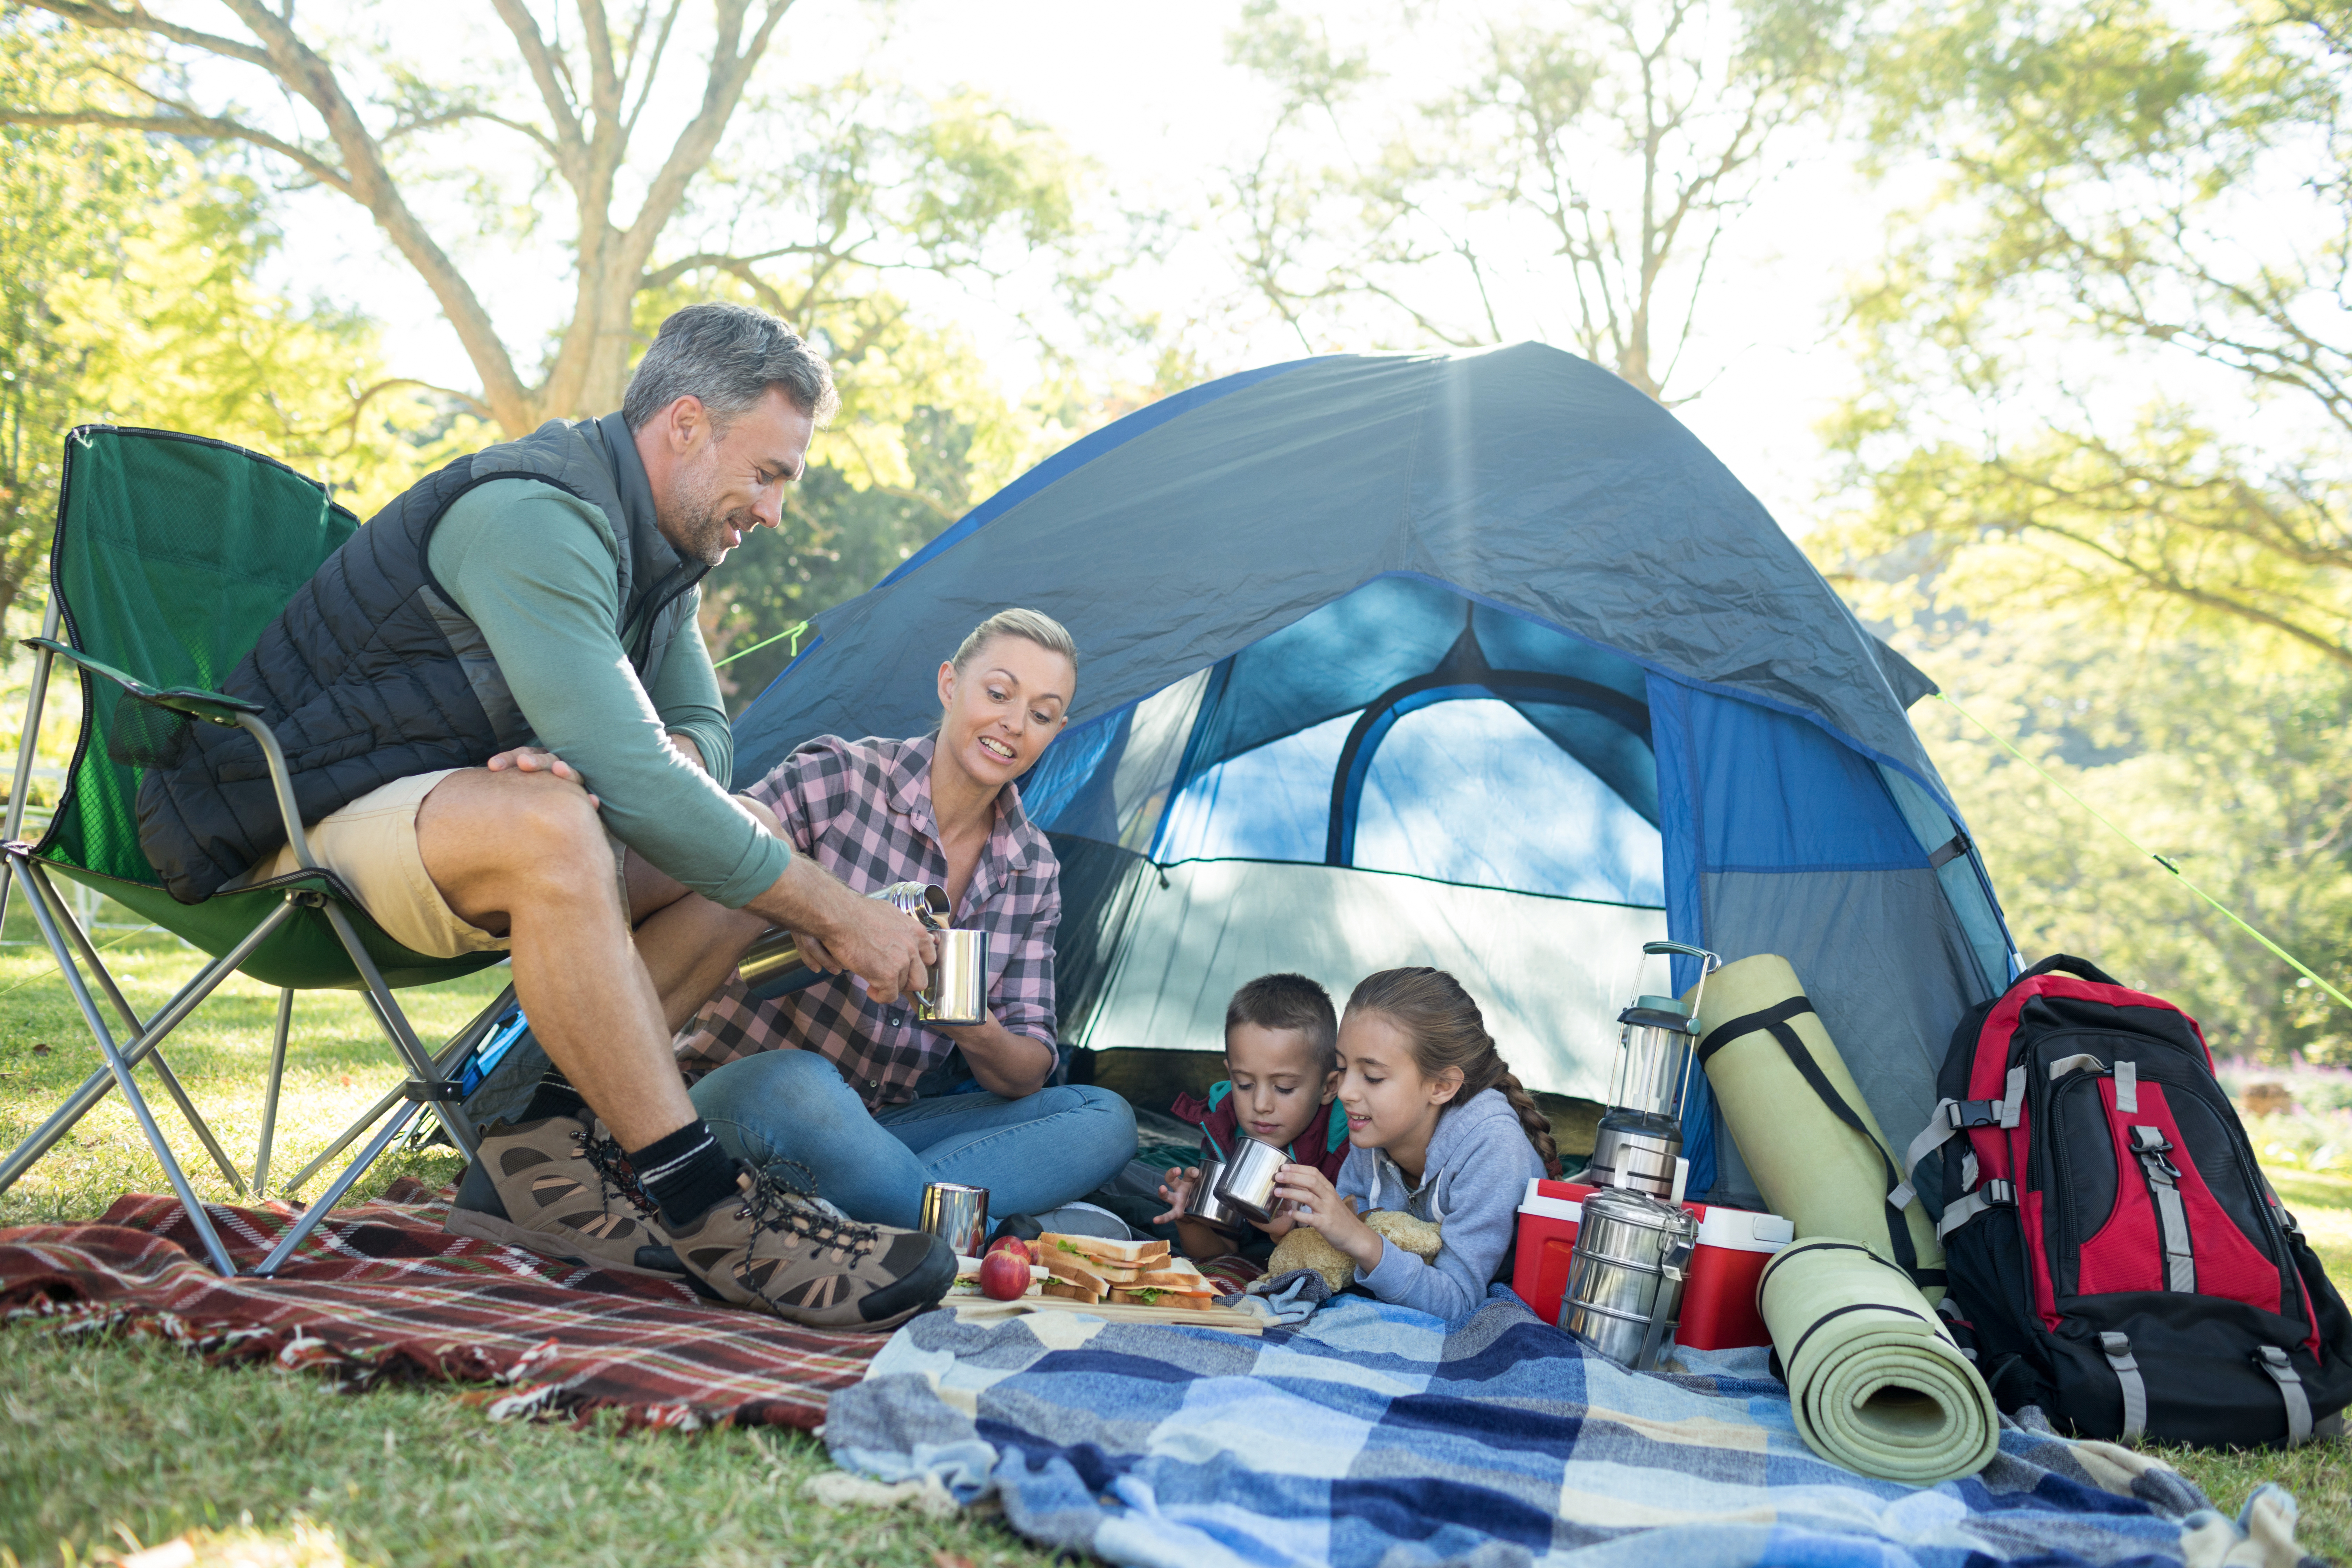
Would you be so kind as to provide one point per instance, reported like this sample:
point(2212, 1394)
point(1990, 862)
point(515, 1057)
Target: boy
point(1282, 1051)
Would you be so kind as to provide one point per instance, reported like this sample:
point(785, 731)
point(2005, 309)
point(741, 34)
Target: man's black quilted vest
point(371, 673)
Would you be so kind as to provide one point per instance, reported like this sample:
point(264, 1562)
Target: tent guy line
point(793, 632)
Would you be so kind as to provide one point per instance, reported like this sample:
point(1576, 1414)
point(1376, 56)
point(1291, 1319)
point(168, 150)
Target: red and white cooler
point(1718, 1309)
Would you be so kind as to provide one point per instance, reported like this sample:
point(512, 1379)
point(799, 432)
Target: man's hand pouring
point(880, 943)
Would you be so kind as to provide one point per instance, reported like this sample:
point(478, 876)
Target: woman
point(869, 1103)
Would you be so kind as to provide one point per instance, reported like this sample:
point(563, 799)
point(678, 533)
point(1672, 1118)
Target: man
point(509, 635)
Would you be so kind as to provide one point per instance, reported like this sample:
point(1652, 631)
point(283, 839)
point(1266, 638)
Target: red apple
point(1027, 1252)
point(1004, 1274)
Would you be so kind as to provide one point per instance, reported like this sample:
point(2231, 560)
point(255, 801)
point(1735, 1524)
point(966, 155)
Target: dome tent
point(1481, 660)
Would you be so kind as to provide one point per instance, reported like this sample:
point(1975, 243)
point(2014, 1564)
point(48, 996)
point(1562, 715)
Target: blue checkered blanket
point(1379, 1436)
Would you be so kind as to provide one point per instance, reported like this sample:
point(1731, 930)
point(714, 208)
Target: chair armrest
point(212, 707)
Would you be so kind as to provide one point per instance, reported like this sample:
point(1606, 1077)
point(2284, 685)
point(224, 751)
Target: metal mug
point(957, 1214)
point(957, 993)
point(1246, 1184)
point(1204, 1204)
point(1625, 1278)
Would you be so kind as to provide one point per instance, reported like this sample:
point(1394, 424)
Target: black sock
point(686, 1173)
point(555, 1097)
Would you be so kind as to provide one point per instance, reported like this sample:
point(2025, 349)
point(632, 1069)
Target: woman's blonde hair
point(1033, 626)
point(1445, 1029)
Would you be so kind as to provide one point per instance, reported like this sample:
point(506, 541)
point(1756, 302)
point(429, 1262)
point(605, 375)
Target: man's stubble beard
point(697, 528)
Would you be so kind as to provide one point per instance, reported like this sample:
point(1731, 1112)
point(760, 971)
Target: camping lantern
point(1638, 1143)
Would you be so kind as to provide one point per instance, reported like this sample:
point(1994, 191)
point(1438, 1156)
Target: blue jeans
point(1032, 1154)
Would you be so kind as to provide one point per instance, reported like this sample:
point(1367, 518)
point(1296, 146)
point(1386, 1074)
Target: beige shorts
point(371, 847)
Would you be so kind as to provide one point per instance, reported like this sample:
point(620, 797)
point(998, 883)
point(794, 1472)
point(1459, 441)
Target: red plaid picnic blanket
point(381, 1290)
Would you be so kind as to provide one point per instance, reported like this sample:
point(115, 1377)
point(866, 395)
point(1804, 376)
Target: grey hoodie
point(1477, 1169)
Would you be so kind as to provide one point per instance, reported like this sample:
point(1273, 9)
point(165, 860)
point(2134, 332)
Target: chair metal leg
point(450, 1060)
point(395, 1025)
point(95, 1087)
point(316, 1212)
point(27, 742)
point(451, 1056)
point(196, 1211)
point(270, 1101)
point(203, 1130)
point(346, 1137)
point(40, 878)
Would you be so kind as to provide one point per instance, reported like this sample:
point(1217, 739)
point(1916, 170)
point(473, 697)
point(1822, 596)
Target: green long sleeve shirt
point(535, 569)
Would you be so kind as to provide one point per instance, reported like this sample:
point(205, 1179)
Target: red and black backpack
point(2113, 1249)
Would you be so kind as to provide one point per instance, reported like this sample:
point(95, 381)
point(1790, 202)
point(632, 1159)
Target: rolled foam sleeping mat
point(1807, 1134)
point(1876, 1383)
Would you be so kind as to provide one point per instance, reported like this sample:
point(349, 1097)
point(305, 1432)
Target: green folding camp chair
point(172, 554)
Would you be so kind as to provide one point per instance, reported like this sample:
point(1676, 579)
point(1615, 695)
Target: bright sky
point(1143, 91)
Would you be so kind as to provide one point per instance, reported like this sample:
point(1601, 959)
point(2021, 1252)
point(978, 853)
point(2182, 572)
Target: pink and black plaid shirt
point(862, 808)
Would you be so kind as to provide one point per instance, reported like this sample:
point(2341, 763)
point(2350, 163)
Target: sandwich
point(1166, 1274)
point(1199, 1300)
point(1074, 1276)
point(1090, 1268)
point(1103, 1251)
point(1154, 1282)
point(1169, 1282)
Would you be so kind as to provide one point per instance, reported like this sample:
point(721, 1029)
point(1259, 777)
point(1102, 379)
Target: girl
point(1438, 1128)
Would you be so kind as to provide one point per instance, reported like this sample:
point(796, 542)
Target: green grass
point(338, 1064)
point(100, 1440)
point(2318, 1474)
point(107, 1443)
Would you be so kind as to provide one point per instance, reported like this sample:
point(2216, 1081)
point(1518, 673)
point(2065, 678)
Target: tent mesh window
point(1401, 772)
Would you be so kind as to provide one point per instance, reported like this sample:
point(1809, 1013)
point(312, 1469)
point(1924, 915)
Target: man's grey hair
point(728, 356)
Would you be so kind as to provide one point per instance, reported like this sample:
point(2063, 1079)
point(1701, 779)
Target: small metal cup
point(957, 993)
point(1204, 1204)
point(1246, 1185)
point(957, 1216)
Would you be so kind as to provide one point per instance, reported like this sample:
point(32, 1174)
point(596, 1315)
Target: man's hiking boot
point(777, 1251)
point(562, 1187)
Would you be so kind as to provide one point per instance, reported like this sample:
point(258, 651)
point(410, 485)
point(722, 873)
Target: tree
point(63, 199)
point(921, 437)
point(2099, 463)
point(1577, 178)
point(2110, 363)
point(127, 294)
point(921, 434)
point(2233, 771)
point(828, 187)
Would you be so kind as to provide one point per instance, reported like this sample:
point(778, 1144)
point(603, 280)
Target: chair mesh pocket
point(146, 734)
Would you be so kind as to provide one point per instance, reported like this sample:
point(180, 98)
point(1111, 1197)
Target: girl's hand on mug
point(1315, 1202)
point(1176, 1191)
